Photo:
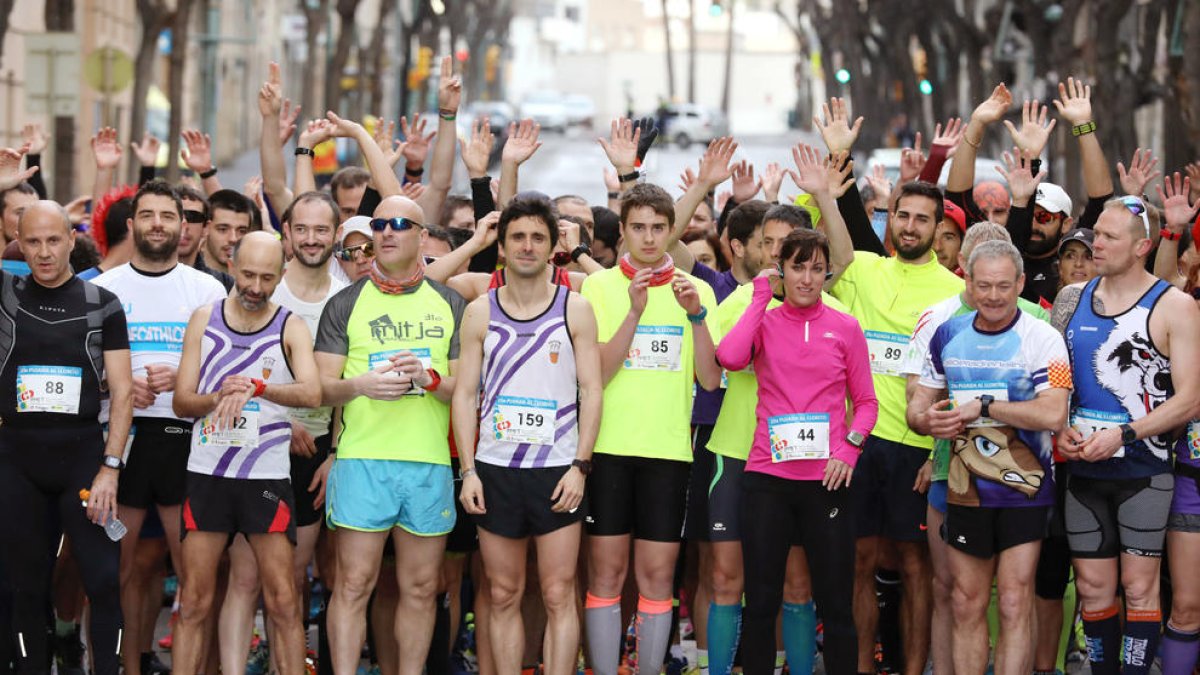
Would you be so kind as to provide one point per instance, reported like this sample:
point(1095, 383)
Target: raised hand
point(477, 150)
point(342, 127)
point(318, 131)
point(270, 97)
point(485, 230)
point(522, 142)
point(772, 180)
point(912, 161)
point(253, 189)
point(611, 182)
point(146, 151)
point(1018, 173)
point(1177, 208)
point(413, 191)
point(417, 140)
point(839, 173)
point(287, 120)
point(449, 88)
point(622, 145)
point(716, 166)
point(649, 133)
point(951, 136)
point(745, 186)
point(1035, 130)
point(835, 127)
point(35, 137)
point(1193, 174)
point(384, 137)
point(810, 174)
point(994, 107)
point(198, 153)
point(1141, 172)
point(106, 149)
point(1074, 102)
point(878, 180)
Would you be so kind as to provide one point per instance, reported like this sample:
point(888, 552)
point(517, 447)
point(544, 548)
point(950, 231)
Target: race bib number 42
point(655, 348)
point(1088, 422)
point(519, 419)
point(49, 389)
point(243, 433)
point(799, 436)
point(886, 350)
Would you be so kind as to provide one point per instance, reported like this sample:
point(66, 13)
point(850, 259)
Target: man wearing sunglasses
point(355, 251)
point(1135, 358)
point(387, 348)
point(195, 226)
point(1051, 218)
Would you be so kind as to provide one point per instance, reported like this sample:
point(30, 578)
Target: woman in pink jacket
point(809, 359)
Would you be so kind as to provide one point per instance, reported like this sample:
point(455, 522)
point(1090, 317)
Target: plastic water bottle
point(114, 528)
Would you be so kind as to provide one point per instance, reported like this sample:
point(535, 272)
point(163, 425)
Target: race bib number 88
point(49, 389)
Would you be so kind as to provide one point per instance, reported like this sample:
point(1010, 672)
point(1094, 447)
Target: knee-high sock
point(1142, 632)
point(1179, 651)
point(724, 628)
point(654, 633)
point(1102, 630)
point(602, 619)
point(888, 591)
point(800, 636)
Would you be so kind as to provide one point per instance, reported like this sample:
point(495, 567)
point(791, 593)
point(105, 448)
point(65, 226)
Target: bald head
point(400, 207)
point(44, 212)
point(259, 248)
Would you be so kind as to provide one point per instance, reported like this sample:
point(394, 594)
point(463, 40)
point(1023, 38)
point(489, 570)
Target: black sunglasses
point(397, 224)
point(366, 248)
point(194, 216)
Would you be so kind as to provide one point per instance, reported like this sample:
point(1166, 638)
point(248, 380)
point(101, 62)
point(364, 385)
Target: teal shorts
point(375, 495)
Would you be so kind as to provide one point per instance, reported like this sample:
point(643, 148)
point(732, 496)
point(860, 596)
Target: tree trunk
point(341, 54)
point(180, 26)
point(725, 94)
point(6, 7)
point(670, 55)
point(406, 64)
point(153, 19)
point(375, 83)
point(60, 17)
point(691, 51)
point(314, 20)
point(1186, 85)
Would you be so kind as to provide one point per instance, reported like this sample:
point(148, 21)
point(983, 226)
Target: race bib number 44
point(243, 433)
point(49, 389)
point(799, 436)
point(887, 351)
point(1088, 422)
point(655, 348)
point(519, 419)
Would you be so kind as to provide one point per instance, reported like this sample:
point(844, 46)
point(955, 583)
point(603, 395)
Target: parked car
point(581, 110)
point(547, 108)
point(687, 123)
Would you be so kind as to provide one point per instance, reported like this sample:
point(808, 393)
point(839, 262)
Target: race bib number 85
point(655, 348)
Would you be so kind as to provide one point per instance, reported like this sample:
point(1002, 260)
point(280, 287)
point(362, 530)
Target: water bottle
point(114, 528)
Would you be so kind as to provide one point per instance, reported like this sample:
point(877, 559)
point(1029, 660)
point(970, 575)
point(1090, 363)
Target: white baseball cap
point(359, 224)
point(1053, 198)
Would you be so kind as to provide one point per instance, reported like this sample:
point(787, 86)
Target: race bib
point(1193, 439)
point(1088, 422)
point(799, 436)
point(243, 433)
point(519, 419)
point(377, 359)
point(887, 351)
point(49, 389)
point(964, 392)
point(655, 348)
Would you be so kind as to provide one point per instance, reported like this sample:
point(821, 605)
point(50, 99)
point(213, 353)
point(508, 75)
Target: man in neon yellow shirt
point(654, 339)
point(387, 347)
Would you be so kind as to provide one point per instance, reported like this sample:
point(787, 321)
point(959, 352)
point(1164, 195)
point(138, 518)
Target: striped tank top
point(257, 445)
point(528, 415)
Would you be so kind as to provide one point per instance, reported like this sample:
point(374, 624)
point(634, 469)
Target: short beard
point(251, 305)
point(1037, 248)
point(155, 252)
point(322, 259)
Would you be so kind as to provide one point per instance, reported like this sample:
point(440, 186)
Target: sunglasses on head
point(397, 224)
point(193, 216)
point(1138, 208)
point(367, 249)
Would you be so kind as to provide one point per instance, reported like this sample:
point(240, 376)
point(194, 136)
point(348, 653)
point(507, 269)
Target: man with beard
point(159, 296)
point(195, 227)
point(245, 363)
point(887, 295)
point(1051, 218)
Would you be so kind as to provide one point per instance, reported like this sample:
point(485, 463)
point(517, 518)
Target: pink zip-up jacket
point(806, 361)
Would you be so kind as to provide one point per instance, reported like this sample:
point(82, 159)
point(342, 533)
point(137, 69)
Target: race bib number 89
point(886, 350)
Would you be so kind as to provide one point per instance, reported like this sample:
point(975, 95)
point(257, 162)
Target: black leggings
point(775, 513)
point(41, 474)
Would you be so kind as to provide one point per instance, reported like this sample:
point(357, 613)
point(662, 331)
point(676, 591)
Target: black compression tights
point(773, 512)
point(41, 473)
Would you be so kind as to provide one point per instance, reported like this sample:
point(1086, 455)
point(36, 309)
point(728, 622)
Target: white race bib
point(243, 433)
point(799, 436)
point(1193, 439)
point(887, 351)
point(655, 348)
point(519, 419)
point(962, 393)
point(49, 389)
point(377, 359)
point(1088, 422)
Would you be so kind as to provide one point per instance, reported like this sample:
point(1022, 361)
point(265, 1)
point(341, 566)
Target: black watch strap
point(305, 151)
point(205, 175)
point(580, 250)
point(113, 462)
point(1128, 435)
point(985, 405)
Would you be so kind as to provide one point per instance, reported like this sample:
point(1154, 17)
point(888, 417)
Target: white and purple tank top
point(528, 417)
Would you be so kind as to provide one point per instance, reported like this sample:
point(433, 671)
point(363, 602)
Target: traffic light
point(715, 9)
point(842, 75)
point(424, 59)
point(925, 87)
point(491, 59)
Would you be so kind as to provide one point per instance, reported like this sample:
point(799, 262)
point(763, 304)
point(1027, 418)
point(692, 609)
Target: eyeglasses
point(367, 249)
point(1044, 217)
point(1138, 208)
point(193, 216)
point(397, 224)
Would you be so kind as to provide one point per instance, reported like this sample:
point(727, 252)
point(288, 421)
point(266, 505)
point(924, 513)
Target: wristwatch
point(580, 250)
point(985, 402)
point(435, 380)
point(1128, 435)
point(113, 462)
point(584, 466)
point(856, 439)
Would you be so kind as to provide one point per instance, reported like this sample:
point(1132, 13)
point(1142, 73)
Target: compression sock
point(1102, 631)
point(702, 661)
point(654, 633)
point(602, 625)
point(1142, 631)
point(800, 636)
point(437, 660)
point(324, 656)
point(724, 627)
point(780, 661)
point(888, 591)
point(1179, 651)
